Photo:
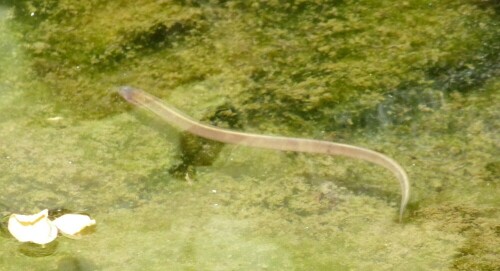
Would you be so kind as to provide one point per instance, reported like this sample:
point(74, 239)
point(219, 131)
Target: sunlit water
point(251, 209)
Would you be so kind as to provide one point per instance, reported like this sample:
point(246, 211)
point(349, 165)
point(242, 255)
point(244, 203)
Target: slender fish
point(185, 123)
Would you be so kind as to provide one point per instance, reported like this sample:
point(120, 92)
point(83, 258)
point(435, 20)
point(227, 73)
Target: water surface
point(417, 81)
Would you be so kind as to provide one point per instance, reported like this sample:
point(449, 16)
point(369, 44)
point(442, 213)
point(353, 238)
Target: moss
point(493, 171)
point(480, 251)
point(73, 60)
point(479, 226)
point(346, 62)
point(382, 64)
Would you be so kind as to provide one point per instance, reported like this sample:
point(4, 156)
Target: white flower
point(35, 228)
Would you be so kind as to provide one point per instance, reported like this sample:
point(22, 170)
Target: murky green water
point(416, 80)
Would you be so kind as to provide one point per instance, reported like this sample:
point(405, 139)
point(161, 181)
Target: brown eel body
point(185, 123)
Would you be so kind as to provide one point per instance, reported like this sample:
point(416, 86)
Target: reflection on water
point(416, 81)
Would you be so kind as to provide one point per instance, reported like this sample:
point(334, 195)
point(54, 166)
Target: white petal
point(35, 228)
point(72, 224)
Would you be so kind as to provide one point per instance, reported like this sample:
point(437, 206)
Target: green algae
point(417, 80)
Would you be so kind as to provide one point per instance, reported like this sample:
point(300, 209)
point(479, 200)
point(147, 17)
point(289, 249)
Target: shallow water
point(67, 141)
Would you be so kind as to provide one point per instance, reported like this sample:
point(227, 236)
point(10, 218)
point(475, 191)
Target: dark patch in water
point(196, 151)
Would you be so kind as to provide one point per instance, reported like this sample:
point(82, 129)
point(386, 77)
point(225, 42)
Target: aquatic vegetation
point(480, 250)
point(415, 79)
point(330, 60)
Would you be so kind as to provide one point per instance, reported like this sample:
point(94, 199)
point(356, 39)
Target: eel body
point(185, 123)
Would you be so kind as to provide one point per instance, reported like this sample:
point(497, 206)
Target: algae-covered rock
point(354, 63)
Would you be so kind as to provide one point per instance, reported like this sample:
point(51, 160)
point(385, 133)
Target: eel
point(183, 122)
